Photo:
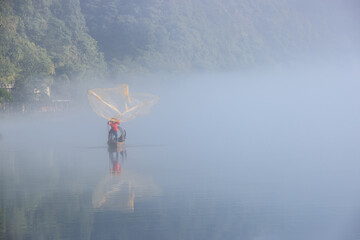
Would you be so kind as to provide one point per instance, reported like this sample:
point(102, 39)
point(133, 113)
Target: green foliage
point(50, 38)
point(215, 34)
point(41, 38)
point(5, 96)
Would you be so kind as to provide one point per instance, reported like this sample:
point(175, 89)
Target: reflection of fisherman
point(113, 133)
point(114, 158)
point(115, 161)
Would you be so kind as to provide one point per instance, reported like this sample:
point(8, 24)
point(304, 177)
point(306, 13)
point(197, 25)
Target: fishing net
point(118, 103)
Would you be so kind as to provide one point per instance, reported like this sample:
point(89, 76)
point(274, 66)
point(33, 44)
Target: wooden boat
point(117, 146)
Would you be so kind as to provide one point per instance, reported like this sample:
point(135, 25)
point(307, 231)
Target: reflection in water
point(40, 198)
point(117, 191)
point(114, 161)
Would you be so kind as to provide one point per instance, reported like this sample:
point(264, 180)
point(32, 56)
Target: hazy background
point(255, 136)
point(270, 155)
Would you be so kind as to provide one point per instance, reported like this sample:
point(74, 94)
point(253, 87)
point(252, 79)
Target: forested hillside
point(188, 35)
point(60, 43)
point(45, 42)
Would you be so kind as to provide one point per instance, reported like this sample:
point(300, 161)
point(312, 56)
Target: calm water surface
point(248, 164)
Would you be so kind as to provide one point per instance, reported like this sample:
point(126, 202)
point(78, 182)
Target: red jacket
point(114, 125)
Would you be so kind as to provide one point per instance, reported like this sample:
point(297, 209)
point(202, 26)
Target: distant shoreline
point(51, 106)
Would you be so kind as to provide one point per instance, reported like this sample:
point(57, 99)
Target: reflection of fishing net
point(120, 193)
point(118, 103)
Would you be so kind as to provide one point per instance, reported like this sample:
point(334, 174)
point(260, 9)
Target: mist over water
point(268, 153)
point(271, 154)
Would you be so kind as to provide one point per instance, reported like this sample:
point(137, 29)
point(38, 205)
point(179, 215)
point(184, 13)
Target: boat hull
point(117, 146)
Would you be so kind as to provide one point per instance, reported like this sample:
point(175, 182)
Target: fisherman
point(114, 123)
point(115, 126)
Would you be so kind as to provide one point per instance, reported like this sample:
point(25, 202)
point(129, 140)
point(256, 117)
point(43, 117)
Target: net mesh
point(118, 103)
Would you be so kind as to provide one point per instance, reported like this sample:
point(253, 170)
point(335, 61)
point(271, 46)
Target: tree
point(41, 38)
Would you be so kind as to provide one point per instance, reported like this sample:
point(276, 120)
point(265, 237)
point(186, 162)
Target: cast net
point(118, 103)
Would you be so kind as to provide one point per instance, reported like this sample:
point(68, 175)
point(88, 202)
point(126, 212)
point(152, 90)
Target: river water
point(215, 159)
